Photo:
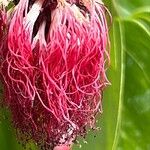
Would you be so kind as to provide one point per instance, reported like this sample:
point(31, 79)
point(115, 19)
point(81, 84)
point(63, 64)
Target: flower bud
point(54, 69)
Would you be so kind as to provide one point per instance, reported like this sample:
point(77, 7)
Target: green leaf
point(7, 138)
point(125, 8)
point(135, 128)
point(114, 95)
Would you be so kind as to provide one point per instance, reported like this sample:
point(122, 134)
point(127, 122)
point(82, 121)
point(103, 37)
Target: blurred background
point(125, 122)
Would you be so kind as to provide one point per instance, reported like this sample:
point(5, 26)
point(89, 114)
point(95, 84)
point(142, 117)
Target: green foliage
point(125, 122)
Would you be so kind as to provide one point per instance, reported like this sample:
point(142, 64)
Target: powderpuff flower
point(53, 69)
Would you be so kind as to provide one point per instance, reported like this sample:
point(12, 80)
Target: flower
point(54, 69)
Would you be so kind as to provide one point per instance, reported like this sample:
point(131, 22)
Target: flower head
point(54, 68)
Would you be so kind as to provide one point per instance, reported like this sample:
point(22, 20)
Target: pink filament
point(53, 84)
point(62, 147)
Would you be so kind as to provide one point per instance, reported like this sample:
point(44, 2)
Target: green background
point(125, 122)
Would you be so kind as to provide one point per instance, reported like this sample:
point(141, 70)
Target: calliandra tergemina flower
point(53, 69)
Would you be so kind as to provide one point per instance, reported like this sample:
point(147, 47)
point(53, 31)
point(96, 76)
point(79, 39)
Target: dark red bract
point(53, 69)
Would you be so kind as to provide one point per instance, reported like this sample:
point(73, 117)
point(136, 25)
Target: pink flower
point(54, 69)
